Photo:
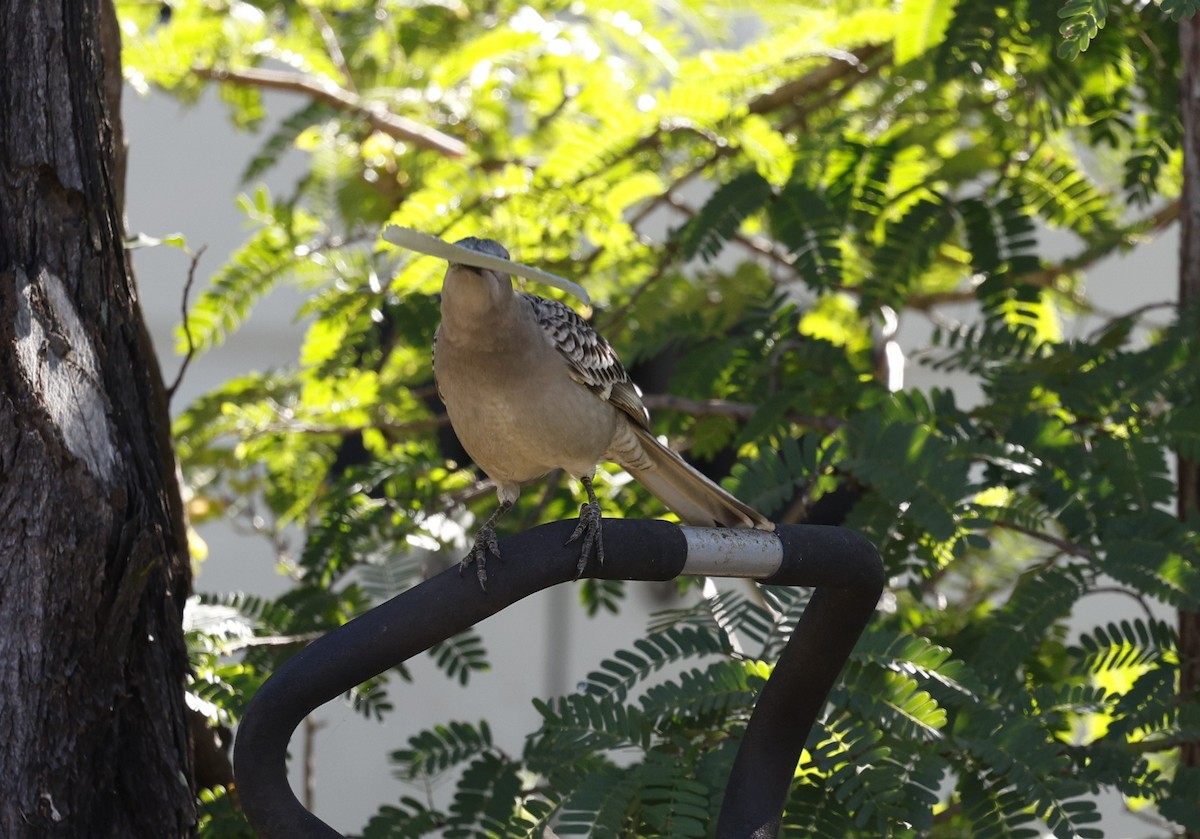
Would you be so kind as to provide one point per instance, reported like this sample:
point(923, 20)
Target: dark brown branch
point(820, 79)
point(187, 329)
point(328, 93)
point(734, 410)
point(699, 407)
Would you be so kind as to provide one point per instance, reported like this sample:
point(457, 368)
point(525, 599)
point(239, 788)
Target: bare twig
point(727, 408)
point(1132, 314)
point(311, 727)
point(467, 494)
point(1062, 544)
point(699, 407)
point(1045, 277)
point(820, 79)
point(1141, 601)
point(376, 115)
point(653, 401)
point(332, 47)
point(552, 483)
point(286, 427)
point(187, 330)
point(272, 641)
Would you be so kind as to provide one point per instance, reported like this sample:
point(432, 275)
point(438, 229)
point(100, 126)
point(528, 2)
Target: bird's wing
point(590, 359)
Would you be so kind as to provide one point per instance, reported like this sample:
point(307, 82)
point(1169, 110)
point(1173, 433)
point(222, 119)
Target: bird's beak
point(461, 257)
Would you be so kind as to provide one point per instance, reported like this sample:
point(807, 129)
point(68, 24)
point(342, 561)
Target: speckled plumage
point(591, 359)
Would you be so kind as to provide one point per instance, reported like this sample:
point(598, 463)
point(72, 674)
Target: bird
point(530, 387)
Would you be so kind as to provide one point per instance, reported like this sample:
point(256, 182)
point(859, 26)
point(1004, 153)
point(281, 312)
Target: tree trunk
point(1189, 295)
point(94, 568)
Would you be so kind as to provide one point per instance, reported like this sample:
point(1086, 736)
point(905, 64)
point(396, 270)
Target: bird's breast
point(517, 411)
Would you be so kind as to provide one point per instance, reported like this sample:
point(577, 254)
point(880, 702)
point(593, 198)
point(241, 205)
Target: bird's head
point(470, 288)
point(488, 246)
point(502, 279)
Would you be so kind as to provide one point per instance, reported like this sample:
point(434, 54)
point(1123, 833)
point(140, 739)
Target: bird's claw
point(589, 527)
point(485, 543)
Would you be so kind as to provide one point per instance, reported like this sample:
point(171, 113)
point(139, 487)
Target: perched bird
point(530, 387)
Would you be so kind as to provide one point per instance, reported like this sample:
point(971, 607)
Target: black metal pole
point(848, 576)
point(536, 559)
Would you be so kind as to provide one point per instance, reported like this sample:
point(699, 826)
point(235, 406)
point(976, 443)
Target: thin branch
point(271, 641)
point(699, 407)
point(1045, 277)
point(311, 727)
point(726, 408)
point(187, 330)
point(285, 427)
point(820, 79)
point(1062, 544)
point(1157, 744)
point(740, 411)
point(1132, 314)
point(376, 115)
point(464, 496)
point(552, 483)
point(1141, 601)
point(332, 47)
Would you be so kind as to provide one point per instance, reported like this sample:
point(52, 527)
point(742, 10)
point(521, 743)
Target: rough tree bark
point(93, 558)
point(1189, 294)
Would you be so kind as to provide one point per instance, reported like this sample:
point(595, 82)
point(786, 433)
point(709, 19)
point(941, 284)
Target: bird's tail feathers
point(691, 495)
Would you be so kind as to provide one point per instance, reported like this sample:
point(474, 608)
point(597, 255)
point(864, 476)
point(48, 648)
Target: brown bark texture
point(1189, 295)
point(93, 559)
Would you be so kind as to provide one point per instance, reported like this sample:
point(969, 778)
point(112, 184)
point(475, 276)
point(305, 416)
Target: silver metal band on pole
point(732, 552)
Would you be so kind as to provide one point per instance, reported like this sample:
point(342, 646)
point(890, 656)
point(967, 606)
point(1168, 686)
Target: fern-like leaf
point(485, 798)
point(577, 725)
point(617, 675)
point(673, 802)
point(266, 258)
point(283, 139)
point(721, 216)
point(722, 692)
point(434, 750)
point(1130, 643)
point(1081, 21)
point(600, 806)
point(461, 655)
point(807, 226)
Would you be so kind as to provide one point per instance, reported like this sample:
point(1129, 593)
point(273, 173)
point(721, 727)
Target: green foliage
point(1179, 9)
point(853, 163)
point(262, 262)
point(219, 815)
point(922, 26)
point(460, 655)
point(722, 215)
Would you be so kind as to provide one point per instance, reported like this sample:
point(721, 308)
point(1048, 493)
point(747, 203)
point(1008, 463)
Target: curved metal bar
point(844, 566)
point(849, 578)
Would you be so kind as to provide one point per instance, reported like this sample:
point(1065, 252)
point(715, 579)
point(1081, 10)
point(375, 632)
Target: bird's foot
point(590, 528)
point(485, 543)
